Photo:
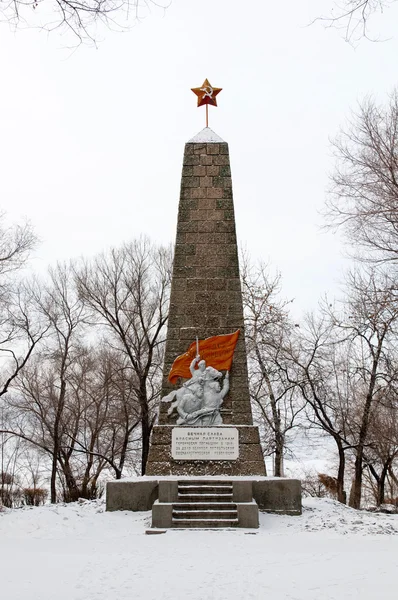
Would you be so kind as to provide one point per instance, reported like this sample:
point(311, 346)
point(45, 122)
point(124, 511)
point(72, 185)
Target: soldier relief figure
point(199, 399)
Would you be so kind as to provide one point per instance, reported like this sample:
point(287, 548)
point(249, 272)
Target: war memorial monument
point(205, 465)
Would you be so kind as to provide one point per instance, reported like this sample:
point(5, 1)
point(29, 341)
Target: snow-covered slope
point(80, 552)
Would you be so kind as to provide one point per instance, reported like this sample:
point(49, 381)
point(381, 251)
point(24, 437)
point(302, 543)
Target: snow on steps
point(204, 505)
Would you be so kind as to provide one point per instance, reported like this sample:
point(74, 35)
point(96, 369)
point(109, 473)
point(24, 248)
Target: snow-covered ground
point(80, 552)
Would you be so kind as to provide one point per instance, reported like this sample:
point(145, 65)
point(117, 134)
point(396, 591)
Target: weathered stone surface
point(198, 468)
point(242, 491)
point(281, 496)
point(238, 419)
point(248, 515)
point(131, 495)
point(196, 504)
point(249, 452)
point(250, 461)
point(160, 453)
point(202, 245)
point(168, 491)
point(162, 515)
point(162, 435)
point(206, 300)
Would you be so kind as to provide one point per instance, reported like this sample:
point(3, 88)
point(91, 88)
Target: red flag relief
point(217, 351)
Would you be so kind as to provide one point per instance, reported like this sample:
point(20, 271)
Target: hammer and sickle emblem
point(208, 91)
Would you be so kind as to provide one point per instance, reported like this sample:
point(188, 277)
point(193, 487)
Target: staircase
point(204, 504)
point(207, 503)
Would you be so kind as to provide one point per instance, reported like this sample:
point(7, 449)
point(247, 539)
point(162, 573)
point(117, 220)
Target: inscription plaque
point(205, 443)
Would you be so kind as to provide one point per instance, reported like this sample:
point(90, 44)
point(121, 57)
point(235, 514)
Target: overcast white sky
point(92, 143)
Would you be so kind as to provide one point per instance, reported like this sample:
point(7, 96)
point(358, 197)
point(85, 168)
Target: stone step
point(205, 514)
point(211, 482)
point(204, 485)
point(208, 489)
point(187, 506)
point(204, 497)
point(203, 523)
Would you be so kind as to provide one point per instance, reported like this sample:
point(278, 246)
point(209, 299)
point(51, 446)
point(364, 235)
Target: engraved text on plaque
point(205, 443)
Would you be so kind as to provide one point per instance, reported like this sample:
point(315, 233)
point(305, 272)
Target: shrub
point(34, 496)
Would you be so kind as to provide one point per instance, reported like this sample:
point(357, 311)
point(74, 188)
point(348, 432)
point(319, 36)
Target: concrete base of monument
point(249, 462)
point(204, 503)
point(135, 494)
point(243, 515)
point(274, 495)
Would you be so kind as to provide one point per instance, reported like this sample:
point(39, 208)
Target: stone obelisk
point(206, 301)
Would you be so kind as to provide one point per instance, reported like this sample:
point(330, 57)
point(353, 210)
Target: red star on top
point(206, 94)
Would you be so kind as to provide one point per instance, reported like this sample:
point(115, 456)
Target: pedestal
point(249, 462)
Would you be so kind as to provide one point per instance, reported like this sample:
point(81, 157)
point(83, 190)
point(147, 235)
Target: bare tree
point(16, 243)
point(81, 417)
point(354, 16)
point(86, 407)
point(318, 366)
point(111, 413)
point(127, 291)
point(371, 321)
point(41, 401)
point(267, 331)
point(20, 329)
point(64, 313)
point(382, 445)
point(345, 364)
point(10, 449)
point(363, 200)
point(48, 413)
point(82, 18)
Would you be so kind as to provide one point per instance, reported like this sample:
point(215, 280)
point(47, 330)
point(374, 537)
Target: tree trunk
point(279, 445)
point(53, 481)
point(55, 453)
point(73, 490)
point(279, 438)
point(341, 494)
point(381, 484)
point(145, 426)
point(146, 433)
point(356, 489)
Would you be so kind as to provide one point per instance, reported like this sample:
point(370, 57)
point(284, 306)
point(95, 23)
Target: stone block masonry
point(206, 297)
point(206, 300)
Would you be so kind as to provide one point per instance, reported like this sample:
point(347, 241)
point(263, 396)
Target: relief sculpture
point(199, 399)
